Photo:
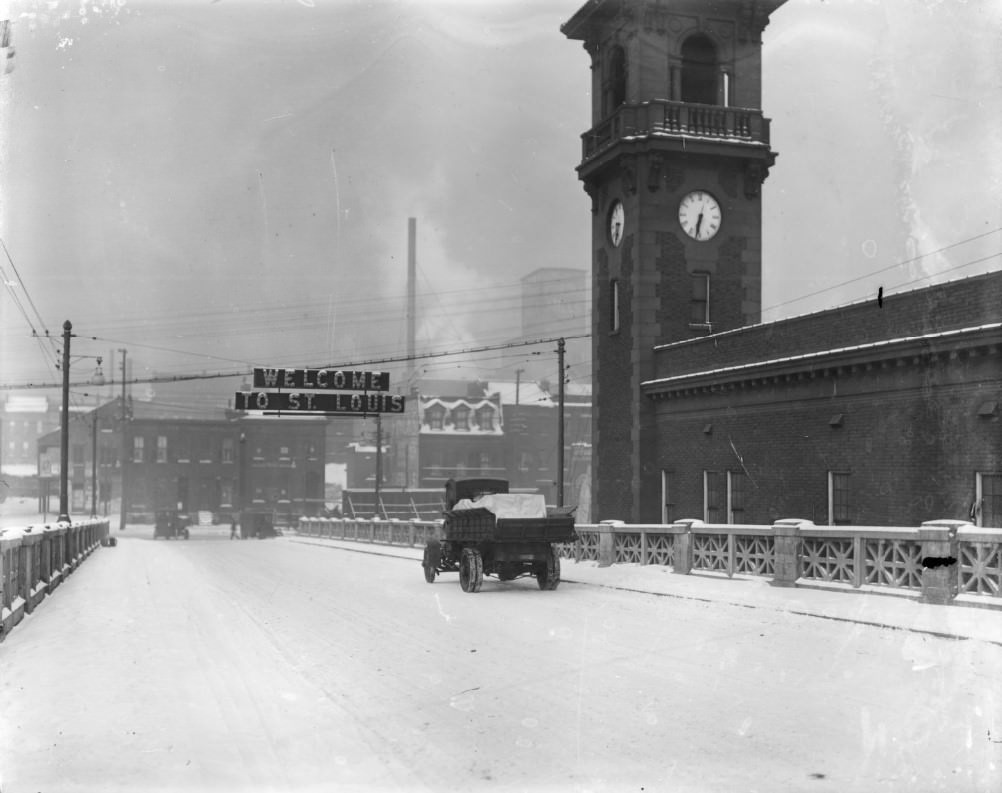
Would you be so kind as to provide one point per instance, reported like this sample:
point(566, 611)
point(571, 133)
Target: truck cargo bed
point(476, 525)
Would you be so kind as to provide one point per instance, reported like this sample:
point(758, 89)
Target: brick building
point(868, 414)
point(192, 460)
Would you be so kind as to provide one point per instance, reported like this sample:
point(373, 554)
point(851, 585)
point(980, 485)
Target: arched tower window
point(699, 70)
point(616, 79)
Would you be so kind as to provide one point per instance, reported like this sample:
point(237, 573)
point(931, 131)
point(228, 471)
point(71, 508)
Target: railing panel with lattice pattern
point(711, 552)
point(893, 562)
point(828, 559)
point(980, 568)
point(754, 555)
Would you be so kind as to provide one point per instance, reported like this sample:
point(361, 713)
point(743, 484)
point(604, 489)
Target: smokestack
point(411, 299)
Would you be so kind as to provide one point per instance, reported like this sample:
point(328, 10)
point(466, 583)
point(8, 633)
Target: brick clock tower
point(674, 164)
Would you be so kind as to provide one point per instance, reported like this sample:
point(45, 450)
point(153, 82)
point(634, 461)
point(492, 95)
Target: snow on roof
point(473, 404)
point(22, 403)
point(19, 469)
point(529, 393)
point(874, 345)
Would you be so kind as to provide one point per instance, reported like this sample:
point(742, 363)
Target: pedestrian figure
point(233, 528)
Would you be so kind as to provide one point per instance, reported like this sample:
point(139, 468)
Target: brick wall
point(909, 437)
point(612, 393)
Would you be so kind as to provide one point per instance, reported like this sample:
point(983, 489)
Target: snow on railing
point(34, 560)
point(938, 560)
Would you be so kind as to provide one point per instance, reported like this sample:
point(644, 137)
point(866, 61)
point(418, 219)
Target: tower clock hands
point(699, 222)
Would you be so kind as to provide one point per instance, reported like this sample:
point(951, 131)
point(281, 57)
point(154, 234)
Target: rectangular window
point(226, 493)
point(838, 498)
point(205, 449)
point(988, 501)
point(227, 454)
point(161, 448)
point(461, 418)
point(485, 419)
point(700, 303)
point(667, 497)
point(713, 492)
point(137, 449)
point(614, 305)
point(735, 497)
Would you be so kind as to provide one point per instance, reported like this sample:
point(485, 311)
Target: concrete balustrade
point(34, 560)
point(938, 560)
point(409, 533)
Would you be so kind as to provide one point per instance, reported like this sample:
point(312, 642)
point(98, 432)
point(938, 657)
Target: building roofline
point(893, 347)
point(830, 309)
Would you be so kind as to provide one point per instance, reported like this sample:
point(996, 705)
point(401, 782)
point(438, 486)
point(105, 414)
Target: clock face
point(617, 219)
point(699, 215)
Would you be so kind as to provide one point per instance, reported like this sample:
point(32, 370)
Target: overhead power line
point(344, 365)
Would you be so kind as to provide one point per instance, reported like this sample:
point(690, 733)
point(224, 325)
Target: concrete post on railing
point(607, 542)
point(939, 549)
point(31, 544)
point(786, 551)
point(682, 552)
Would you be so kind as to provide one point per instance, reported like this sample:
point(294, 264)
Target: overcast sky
point(217, 185)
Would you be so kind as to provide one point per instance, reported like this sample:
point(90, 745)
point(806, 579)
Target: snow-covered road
point(290, 665)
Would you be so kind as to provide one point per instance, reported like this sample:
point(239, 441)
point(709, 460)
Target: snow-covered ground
point(296, 665)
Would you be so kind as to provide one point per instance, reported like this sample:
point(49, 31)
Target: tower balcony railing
point(664, 117)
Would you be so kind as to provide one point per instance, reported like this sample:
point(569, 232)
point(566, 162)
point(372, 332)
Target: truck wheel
point(471, 570)
point(432, 555)
point(548, 572)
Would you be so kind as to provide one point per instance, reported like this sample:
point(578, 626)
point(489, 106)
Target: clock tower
point(674, 164)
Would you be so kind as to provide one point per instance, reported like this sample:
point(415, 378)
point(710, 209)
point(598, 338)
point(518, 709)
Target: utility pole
point(121, 518)
point(518, 382)
point(93, 464)
point(560, 425)
point(64, 435)
point(379, 458)
point(411, 297)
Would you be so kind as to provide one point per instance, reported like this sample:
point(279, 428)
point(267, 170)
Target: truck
point(487, 531)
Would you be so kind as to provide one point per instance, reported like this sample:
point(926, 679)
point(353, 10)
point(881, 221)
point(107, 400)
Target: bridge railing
point(938, 560)
point(410, 533)
point(34, 560)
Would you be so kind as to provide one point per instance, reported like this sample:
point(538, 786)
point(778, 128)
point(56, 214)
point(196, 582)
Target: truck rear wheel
point(548, 572)
point(432, 556)
point(471, 570)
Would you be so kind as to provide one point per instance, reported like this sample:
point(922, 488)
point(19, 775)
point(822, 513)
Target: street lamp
point(64, 434)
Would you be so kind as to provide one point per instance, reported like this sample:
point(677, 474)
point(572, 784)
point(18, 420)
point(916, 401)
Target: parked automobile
point(169, 523)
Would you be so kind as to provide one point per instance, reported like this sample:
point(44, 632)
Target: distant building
point(505, 430)
point(216, 462)
point(460, 436)
point(25, 419)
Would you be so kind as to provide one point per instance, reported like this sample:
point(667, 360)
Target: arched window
point(616, 78)
point(699, 70)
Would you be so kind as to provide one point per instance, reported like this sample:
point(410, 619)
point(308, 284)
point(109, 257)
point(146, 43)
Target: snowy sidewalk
point(885, 608)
